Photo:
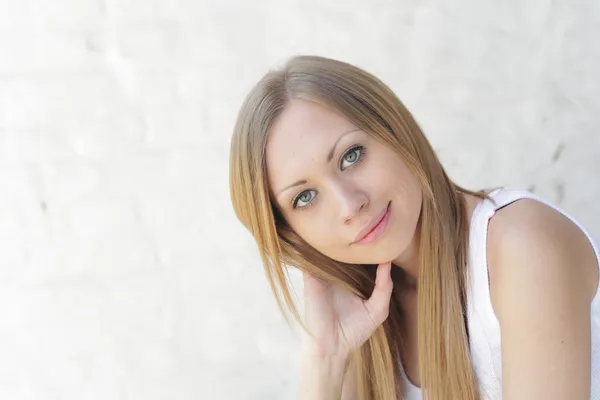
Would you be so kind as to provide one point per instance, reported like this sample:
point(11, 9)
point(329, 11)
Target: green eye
point(351, 157)
point(304, 198)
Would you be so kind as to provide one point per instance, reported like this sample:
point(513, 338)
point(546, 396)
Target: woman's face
point(346, 194)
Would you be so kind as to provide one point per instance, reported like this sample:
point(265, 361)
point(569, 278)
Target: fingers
point(306, 276)
point(310, 281)
point(318, 305)
point(379, 302)
point(313, 287)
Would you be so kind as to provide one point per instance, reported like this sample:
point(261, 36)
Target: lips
point(373, 225)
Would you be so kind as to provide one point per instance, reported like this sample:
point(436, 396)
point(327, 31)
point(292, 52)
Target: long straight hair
point(444, 361)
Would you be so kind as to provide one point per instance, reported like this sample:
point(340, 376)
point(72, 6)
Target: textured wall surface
point(123, 272)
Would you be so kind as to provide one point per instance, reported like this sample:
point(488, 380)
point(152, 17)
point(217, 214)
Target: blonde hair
point(444, 363)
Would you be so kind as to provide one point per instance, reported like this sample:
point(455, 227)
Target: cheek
point(406, 193)
point(320, 234)
point(316, 232)
point(411, 204)
point(383, 171)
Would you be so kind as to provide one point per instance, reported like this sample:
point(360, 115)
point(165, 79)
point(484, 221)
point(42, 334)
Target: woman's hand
point(338, 321)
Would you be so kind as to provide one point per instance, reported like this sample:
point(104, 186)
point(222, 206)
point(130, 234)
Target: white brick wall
point(123, 272)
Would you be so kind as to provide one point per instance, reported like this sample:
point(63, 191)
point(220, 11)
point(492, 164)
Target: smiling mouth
point(375, 231)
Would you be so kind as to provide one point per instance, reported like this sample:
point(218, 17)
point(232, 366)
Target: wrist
point(322, 376)
point(313, 350)
point(315, 357)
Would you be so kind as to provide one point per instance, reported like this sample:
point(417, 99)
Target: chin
point(380, 258)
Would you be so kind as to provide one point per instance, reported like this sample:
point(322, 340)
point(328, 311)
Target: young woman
point(414, 286)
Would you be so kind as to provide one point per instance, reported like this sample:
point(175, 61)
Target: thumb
point(378, 304)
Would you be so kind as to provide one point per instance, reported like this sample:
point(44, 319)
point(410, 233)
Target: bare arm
point(543, 275)
point(349, 387)
point(322, 377)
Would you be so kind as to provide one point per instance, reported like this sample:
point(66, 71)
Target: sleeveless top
point(484, 328)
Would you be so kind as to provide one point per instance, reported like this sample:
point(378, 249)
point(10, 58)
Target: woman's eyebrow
point(297, 183)
point(332, 152)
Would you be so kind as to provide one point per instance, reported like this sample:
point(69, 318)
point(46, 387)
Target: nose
point(351, 200)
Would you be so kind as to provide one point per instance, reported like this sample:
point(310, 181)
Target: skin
point(543, 277)
point(341, 197)
point(543, 273)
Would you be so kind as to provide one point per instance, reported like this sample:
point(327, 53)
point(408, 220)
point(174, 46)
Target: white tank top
point(484, 328)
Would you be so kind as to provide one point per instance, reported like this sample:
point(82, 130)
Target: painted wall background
point(123, 272)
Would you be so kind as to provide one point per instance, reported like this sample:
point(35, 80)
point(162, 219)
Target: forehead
point(301, 117)
point(304, 133)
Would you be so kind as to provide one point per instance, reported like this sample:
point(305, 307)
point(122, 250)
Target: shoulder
point(535, 252)
point(543, 275)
